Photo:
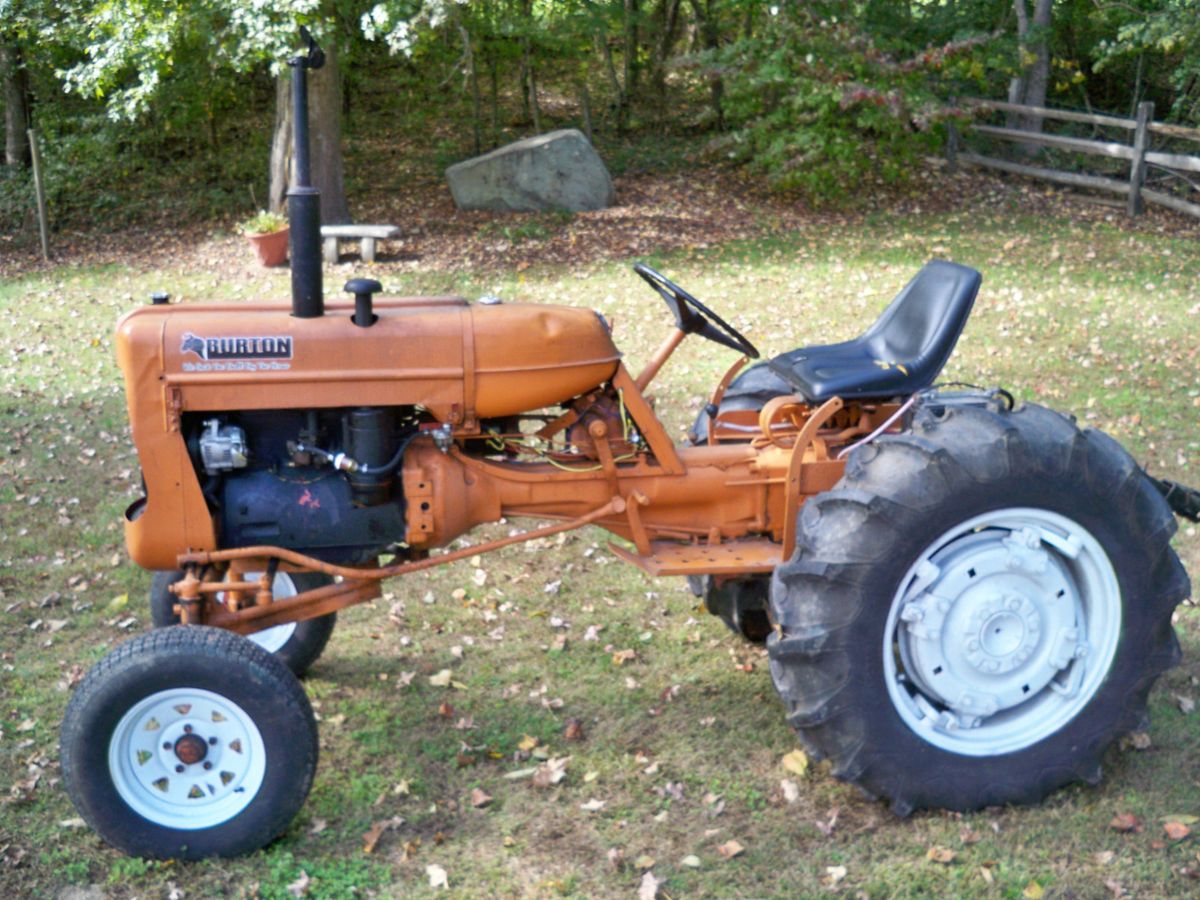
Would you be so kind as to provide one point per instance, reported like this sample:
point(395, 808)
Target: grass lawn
point(682, 745)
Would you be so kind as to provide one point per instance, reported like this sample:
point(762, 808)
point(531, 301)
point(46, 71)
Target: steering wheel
point(693, 317)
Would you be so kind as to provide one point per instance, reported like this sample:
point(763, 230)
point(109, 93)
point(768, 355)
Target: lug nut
point(167, 745)
point(207, 765)
point(179, 768)
point(213, 741)
point(187, 729)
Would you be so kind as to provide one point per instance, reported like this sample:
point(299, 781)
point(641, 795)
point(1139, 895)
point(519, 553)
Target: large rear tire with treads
point(977, 610)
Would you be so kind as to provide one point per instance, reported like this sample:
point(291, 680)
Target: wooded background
point(183, 97)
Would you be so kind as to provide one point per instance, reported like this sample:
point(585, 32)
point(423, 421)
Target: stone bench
point(367, 235)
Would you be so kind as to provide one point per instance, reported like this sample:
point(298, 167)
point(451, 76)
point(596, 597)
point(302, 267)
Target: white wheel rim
point(274, 638)
point(160, 780)
point(1002, 631)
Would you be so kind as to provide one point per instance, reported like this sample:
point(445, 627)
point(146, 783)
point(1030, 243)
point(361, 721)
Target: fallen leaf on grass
point(1125, 822)
point(942, 855)
point(72, 823)
point(796, 762)
point(731, 849)
point(620, 657)
point(648, 889)
point(691, 861)
point(299, 887)
point(318, 826)
point(1139, 740)
point(375, 832)
point(1033, 891)
point(437, 876)
point(1176, 831)
point(833, 875)
point(573, 730)
point(968, 836)
point(441, 679)
point(826, 827)
point(1186, 704)
point(791, 790)
point(551, 772)
point(480, 798)
point(644, 861)
point(1104, 857)
point(527, 743)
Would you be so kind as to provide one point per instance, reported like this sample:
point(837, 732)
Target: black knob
point(158, 298)
point(362, 289)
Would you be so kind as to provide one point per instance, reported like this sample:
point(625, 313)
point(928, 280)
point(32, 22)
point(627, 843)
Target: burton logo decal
point(212, 349)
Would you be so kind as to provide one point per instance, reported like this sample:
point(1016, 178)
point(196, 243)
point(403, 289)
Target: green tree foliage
point(132, 49)
point(1161, 38)
point(821, 96)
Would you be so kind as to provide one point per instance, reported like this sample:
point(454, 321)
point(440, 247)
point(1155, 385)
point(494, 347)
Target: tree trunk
point(473, 80)
point(585, 108)
point(1038, 79)
point(619, 101)
point(668, 16)
point(281, 144)
point(16, 106)
point(531, 73)
point(631, 49)
point(710, 34)
point(494, 72)
point(1029, 86)
point(325, 140)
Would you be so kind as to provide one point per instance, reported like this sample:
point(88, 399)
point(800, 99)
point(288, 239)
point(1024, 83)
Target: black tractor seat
point(900, 354)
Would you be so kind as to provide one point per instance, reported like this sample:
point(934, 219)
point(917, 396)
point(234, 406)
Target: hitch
point(1183, 500)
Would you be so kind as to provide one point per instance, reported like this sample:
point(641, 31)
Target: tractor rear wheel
point(298, 644)
point(977, 610)
point(188, 742)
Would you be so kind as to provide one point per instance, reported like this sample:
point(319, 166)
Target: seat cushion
point(902, 353)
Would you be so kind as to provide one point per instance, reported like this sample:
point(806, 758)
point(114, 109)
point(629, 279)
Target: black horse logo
point(193, 343)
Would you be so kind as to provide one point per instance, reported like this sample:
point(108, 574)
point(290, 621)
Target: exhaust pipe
point(303, 200)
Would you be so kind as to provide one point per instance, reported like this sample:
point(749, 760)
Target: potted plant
point(267, 233)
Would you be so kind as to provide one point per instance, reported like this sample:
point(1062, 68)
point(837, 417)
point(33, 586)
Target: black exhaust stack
point(304, 200)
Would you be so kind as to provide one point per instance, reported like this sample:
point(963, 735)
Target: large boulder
point(558, 170)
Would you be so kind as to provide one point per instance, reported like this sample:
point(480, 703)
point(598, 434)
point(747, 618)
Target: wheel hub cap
point(191, 749)
point(187, 758)
point(1002, 634)
point(996, 625)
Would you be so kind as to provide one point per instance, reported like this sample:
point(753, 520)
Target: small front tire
point(188, 742)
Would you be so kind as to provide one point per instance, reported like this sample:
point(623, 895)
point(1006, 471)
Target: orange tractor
point(965, 600)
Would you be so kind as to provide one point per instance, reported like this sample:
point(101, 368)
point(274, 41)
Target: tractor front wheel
point(188, 742)
point(298, 644)
point(740, 603)
point(977, 610)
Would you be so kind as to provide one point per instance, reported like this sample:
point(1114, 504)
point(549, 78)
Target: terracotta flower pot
point(272, 249)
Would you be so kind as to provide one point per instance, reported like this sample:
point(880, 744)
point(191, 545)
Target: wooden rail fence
point(1138, 152)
